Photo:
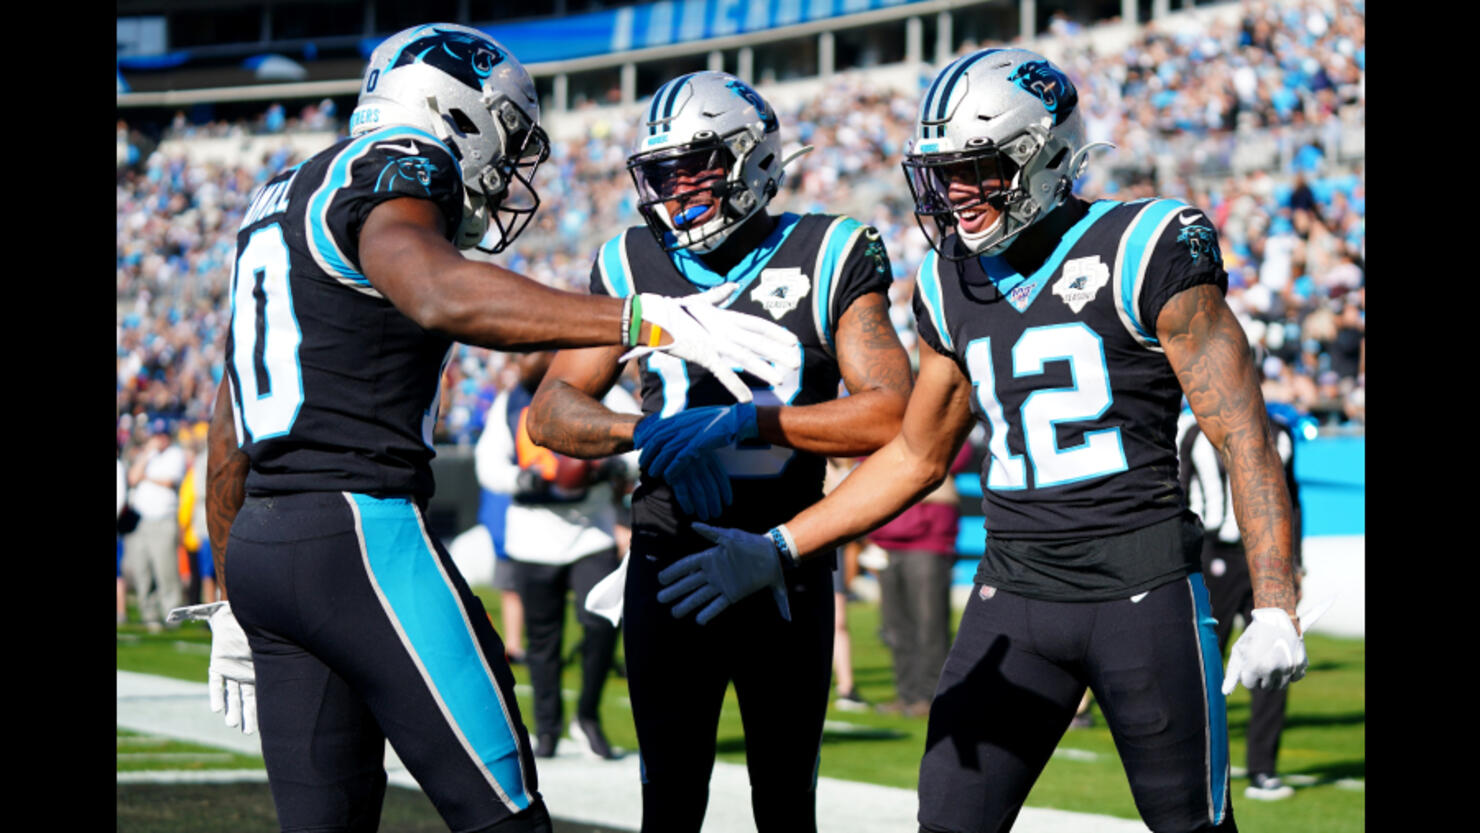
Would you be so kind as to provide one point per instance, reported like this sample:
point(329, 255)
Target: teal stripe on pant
point(436, 631)
point(1212, 658)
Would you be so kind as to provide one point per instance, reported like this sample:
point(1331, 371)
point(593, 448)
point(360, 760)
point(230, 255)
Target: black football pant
point(1226, 570)
point(363, 630)
point(544, 589)
point(677, 674)
point(1014, 678)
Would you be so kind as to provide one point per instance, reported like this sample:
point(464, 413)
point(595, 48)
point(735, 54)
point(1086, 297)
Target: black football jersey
point(334, 388)
point(803, 277)
point(1079, 401)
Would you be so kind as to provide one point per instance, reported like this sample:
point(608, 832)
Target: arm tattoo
point(567, 415)
point(565, 419)
point(1210, 355)
point(869, 353)
point(226, 479)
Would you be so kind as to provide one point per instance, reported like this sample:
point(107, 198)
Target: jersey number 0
point(265, 336)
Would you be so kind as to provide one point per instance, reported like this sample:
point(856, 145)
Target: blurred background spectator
point(1253, 122)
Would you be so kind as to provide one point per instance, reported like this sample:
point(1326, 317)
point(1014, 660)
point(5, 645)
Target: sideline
point(577, 788)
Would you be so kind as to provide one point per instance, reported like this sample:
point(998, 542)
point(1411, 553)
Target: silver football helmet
point(706, 159)
point(1003, 126)
point(467, 90)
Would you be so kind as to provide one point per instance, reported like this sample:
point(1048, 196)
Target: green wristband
point(635, 328)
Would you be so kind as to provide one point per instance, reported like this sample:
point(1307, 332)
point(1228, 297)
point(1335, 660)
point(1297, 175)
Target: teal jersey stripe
point(1212, 660)
point(613, 269)
point(927, 281)
point(338, 177)
point(1006, 278)
point(834, 254)
point(1137, 251)
point(439, 635)
point(743, 273)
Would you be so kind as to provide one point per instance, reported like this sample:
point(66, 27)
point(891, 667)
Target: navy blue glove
point(670, 443)
point(743, 563)
point(702, 488)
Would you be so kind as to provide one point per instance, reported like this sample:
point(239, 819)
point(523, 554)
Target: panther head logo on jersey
point(1045, 81)
point(1200, 240)
point(411, 169)
point(466, 58)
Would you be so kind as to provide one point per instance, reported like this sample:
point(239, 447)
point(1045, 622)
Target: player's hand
point(719, 339)
point(702, 488)
point(742, 563)
point(670, 443)
point(231, 679)
point(1270, 654)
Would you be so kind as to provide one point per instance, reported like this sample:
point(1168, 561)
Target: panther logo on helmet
point(459, 54)
point(768, 116)
point(1052, 86)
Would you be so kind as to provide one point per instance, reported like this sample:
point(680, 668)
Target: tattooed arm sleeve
point(567, 415)
point(1210, 355)
point(226, 479)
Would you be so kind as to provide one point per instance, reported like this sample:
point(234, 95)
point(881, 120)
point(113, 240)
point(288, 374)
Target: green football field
point(1322, 752)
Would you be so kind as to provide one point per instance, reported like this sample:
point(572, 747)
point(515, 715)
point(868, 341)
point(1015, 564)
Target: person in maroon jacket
point(915, 592)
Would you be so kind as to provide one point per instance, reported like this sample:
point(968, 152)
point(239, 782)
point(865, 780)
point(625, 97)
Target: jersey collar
point(743, 273)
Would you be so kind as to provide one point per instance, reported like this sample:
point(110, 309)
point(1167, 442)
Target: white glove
point(231, 679)
point(719, 339)
point(1270, 654)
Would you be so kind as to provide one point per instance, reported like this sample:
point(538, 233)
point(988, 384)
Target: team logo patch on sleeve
point(875, 251)
point(780, 290)
point(408, 170)
point(1081, 281)
point(1200, 240)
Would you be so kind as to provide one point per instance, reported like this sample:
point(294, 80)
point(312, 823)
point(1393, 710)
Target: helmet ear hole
point(464, 124)
point(766, 163)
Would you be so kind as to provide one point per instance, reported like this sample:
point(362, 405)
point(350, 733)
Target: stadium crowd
point(1260, 123)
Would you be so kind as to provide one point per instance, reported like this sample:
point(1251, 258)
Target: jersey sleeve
point(865, 269)
point(1184, 255)
point(610, 273)
point(929, 307)
point(366, 175)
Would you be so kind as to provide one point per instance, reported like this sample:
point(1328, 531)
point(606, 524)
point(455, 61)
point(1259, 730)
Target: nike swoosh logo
point(410, 147)
point(1184, 219)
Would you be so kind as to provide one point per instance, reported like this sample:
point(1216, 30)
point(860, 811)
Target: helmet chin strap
point(975, 240)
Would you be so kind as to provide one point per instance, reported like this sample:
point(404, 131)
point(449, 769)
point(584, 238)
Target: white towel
point(605, 599)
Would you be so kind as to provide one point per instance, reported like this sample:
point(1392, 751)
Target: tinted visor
point(673, 173)
point(947, 183)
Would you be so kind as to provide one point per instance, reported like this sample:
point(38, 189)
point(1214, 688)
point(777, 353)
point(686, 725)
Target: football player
point(706, 164)
point(1071, 330)
point(348, 623)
